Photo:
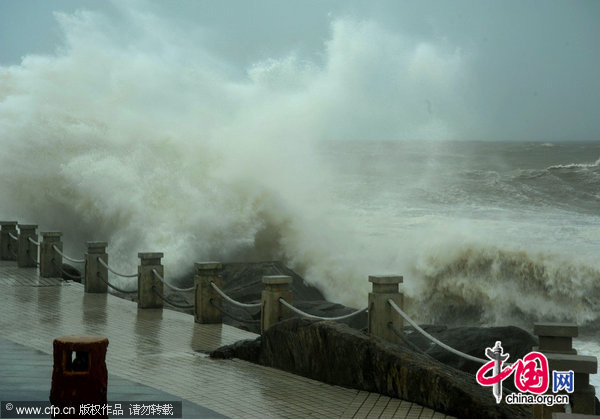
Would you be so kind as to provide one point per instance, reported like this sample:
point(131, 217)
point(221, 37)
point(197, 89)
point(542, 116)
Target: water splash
point(132, 132)
point(488, 285)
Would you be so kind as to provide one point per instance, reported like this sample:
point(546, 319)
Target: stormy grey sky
point(510, 70)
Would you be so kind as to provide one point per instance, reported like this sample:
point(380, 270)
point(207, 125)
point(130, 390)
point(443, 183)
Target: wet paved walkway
point(25, 375)
point(161, 355)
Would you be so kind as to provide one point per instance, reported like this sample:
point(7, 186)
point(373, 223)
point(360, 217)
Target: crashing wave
point(575, 166)
point(488, 285)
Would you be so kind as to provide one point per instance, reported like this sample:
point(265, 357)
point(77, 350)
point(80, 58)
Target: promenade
point(159, 355)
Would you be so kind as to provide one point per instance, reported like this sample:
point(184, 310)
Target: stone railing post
point(556, 343)
point(50, 259)
point(6, 243)
point(27, 254)
point(556, 337)
point(94, 269)
point(276, 287)
point(381, 313)
point(204, 311)
point(148, 284)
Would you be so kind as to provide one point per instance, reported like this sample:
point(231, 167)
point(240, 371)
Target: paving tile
point(427, 413)
point(391, 408)
point(367, 405)
point(415, 411)
point(379, 407)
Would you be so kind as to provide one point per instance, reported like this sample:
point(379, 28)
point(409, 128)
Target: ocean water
point(132, 133)
point(491, 230)
point(485, 233)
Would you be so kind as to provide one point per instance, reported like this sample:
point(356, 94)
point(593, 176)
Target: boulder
point(473, 341)
point(248, 350)
point(70, 273)
point(243, 282)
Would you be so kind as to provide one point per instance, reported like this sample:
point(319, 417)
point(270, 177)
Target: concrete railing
point(385, 302)
point(8, 246)
point(556, 343)
point(17, 242)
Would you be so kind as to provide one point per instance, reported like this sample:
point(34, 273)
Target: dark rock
point(327, 309)
point(70, 273)
point(473, 341)
point(336, 354)
point(243, 281)
point(248, 350)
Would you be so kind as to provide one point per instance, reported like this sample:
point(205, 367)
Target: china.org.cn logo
point(531, 375)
